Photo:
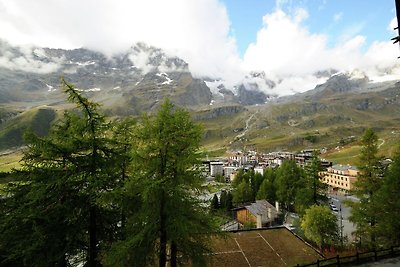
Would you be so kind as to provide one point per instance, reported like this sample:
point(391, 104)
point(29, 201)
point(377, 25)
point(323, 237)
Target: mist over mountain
point(137, 80)
point(142, 75)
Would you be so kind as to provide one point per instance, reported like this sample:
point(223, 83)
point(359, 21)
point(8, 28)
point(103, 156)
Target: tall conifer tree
point(170, 223)
point(53, 214)
point(369, 181)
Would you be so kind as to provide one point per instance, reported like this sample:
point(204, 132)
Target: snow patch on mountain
point(87, 63)
point(166, 77)
point(215, 87)
point(50, 88)
point(93, 90)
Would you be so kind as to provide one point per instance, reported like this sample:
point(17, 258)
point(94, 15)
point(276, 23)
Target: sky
point(289, 40)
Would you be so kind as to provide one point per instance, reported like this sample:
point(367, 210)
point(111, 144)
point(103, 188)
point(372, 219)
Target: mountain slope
point(126, 83)
point(234, 118)
point(38, 120)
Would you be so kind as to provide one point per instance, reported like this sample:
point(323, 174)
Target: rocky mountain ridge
point(138, 80)
point(143, 75)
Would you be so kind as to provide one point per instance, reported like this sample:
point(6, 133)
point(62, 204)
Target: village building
point(259, 170)
point(216, 168)
point(340, 177)
point(261, 214)
point(228, 170)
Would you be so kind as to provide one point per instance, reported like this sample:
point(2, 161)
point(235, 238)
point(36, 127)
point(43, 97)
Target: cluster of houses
point(261, 213)
point(338, 177)
point(229, 166)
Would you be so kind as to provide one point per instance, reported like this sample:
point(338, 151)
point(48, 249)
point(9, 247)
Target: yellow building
point(340, 177)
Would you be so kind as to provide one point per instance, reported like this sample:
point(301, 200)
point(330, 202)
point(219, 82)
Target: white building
point(228, 170)
point(216, 168)
point(259, 170)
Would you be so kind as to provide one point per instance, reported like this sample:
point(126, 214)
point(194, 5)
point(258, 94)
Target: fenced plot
point(264, 247)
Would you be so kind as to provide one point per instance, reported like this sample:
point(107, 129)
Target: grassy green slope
point(334, 123)
point(37, 119)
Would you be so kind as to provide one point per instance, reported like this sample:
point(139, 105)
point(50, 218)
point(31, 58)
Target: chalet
point(261, 213)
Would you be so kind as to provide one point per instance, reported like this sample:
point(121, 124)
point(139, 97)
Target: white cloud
point(297, 84)
point(25, 58)
point(197, 31)
point(286, 50)
point(393, 25)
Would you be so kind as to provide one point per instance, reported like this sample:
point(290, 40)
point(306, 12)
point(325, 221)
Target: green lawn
point(344, 155)
point(10, 161)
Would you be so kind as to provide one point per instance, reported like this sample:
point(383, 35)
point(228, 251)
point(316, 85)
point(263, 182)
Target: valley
point(330, 117)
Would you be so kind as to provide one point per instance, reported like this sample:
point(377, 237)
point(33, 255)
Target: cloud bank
point(199, 33)
point(287, 51)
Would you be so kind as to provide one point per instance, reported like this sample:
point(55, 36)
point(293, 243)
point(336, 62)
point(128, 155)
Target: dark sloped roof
point(260, 207)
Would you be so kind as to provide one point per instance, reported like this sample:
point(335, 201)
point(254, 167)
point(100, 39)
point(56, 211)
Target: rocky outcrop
point(251, 97)
point(196, 93)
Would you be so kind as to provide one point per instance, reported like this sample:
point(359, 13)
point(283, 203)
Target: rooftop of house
point(260, 207)
point(340, 167)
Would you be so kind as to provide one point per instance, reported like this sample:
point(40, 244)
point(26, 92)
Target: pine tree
point(312, 170)
point(229, 202)
point(288, 181)
point(242, 194)
point(388, 205)
point(53, 213)
point(370, 177)
point(166, 182)
point(369, 180)
point(267, 189)
point(313, 190)
point(223, 199)
point(214, 202)
point(256, 180)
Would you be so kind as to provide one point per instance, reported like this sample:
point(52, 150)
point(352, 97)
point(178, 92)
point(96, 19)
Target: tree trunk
point(92, 238)
point(163, 234)
point(315, 190)
point(174, 251)
point(62, 262)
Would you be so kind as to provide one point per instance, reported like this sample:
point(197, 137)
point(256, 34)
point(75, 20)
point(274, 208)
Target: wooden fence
point(358, 258)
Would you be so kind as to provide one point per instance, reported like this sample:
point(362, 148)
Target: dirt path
point(247, 127)
point(381, 144)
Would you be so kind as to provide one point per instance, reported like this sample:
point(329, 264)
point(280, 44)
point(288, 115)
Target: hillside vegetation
point(38, 120)
point(321, 118)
